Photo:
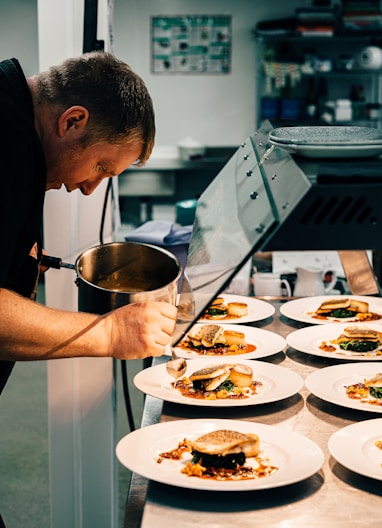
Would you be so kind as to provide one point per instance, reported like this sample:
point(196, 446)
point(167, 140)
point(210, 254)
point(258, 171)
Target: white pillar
point(81, 392)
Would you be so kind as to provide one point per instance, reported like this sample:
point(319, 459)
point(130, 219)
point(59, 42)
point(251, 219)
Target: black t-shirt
point(22, 187)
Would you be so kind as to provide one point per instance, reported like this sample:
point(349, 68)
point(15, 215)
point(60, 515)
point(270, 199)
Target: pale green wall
point(18, 32)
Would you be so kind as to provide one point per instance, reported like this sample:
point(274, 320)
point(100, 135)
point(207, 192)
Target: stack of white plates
point(328, 141)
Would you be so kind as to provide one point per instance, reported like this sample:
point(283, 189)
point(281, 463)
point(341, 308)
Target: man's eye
point(101, 169)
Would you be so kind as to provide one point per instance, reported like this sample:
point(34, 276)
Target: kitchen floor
point(24, 454)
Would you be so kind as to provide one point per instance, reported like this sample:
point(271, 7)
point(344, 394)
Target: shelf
point(340, 73)
point(372, 36)
point(319, 122)
point(294, 69)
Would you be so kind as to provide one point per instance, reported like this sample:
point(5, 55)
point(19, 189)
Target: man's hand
point(141, 329)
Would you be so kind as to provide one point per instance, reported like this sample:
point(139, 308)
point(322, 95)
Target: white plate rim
point(323, 384)
point(348, 446)
point(251, 334)
point(294, 449)
point(281, 383)
point(257, 310)
point(303, 339)
point(294, 309)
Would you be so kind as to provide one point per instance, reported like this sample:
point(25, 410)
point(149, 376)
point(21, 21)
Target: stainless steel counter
point(214, 157)
point(334, 497)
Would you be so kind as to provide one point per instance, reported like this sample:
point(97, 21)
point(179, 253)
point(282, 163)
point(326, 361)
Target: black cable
point(90, 41)
point(125, 383)
point(108, 189)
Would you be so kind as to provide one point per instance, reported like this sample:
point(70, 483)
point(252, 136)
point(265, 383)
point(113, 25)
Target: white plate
point(354, 447)
point(267, 343)
point(327, 135)
point(331, 151)
point(296, 456)
point(309, 339)
point(277, 383)
point(257, 310)
point(302, 309)
point(329, 384)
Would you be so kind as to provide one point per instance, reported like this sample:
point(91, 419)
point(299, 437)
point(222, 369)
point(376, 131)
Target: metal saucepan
point(120, 273)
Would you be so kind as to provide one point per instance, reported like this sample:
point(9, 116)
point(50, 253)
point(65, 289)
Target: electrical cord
point(103, 215)
point(125, 382)
point(125, 386)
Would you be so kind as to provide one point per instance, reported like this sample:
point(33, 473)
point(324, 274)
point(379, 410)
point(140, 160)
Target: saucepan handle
point(55, 262)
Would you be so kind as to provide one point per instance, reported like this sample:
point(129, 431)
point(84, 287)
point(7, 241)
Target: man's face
point(84, 169)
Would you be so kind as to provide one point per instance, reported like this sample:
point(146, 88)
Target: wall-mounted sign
point(191, 44)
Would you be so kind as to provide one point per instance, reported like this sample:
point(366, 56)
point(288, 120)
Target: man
point(73, 125)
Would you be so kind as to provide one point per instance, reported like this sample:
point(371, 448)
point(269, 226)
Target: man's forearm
point(31, 331)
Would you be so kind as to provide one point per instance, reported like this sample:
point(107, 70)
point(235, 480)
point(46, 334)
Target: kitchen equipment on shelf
point(370, 58)
point(271, 284)
point(191, 149)
point(310, 281)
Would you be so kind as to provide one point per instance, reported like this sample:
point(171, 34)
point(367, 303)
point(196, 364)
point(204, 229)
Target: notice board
point(191, 44)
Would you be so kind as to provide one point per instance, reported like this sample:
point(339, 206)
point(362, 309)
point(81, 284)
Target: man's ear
point(74, 118)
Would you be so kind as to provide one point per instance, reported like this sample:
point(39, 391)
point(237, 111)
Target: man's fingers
point(168, 310)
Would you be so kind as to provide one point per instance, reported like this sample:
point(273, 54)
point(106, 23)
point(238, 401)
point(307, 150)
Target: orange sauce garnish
point(220, 351)
point(187, 390)
point(358, 391)
point(239, 473)
point(327, 348)
point(177, 453)
point(219, 317)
